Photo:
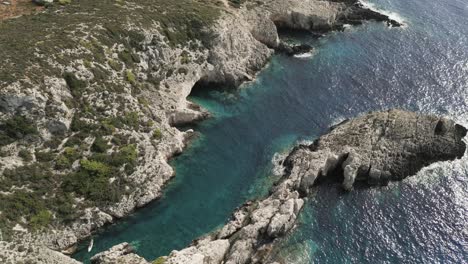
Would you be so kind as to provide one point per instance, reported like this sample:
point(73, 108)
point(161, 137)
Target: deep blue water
point(422, 67)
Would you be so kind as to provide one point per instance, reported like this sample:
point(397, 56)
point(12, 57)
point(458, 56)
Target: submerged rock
point(375, 148)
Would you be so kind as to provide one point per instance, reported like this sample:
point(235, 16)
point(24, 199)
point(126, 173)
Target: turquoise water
point(422, 67)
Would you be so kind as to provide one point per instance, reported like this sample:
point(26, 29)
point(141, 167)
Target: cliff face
point(90, 93)
point(375, 148)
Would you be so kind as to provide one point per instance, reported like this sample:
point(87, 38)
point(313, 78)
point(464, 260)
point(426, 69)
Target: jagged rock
point(11, 103)
point(290, 50)
point(385, 146)
point(205, 252)
point(25, 253)
point(121, 253)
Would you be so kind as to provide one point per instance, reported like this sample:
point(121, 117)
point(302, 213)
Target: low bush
point(16, 128)
point(100, 145)
point(157, 134)
point(76, 85)
point(25, 155)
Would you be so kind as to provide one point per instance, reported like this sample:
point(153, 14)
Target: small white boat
point(90, 247)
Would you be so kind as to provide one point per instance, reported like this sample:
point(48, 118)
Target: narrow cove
point(363, 69)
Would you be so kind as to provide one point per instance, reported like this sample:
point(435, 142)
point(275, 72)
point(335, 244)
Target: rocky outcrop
point(374, 149)
point(243, 41)
point(121, 253)
point(290, 50)
point(378, 148)
point(23, 253)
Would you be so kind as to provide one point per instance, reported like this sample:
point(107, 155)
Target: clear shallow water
point(423, 67)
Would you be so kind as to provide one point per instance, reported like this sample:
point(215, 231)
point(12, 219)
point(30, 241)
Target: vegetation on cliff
point(92, 47)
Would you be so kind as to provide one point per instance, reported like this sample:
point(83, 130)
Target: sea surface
point(421, 67)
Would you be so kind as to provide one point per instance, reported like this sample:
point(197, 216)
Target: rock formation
point(375, 148)
point(121, 253)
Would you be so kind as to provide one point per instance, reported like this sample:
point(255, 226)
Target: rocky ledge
point(373, 149)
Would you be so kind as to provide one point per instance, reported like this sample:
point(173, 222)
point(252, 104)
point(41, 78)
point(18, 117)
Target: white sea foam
point(392, 15)
point(304, 55)
point(346, 26)
point(337, 120)
point(305, 142)
point(279, 157)
point(277, 161)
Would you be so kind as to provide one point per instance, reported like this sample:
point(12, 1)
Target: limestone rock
point(121, 253)
point(205, 252)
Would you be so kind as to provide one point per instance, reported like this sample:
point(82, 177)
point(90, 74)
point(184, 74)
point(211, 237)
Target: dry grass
point(17, 8)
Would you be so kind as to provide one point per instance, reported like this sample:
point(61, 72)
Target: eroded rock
point(121, 253)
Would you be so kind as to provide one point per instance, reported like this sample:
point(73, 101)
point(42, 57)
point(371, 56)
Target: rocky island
point(373, 149)
point(91, 93)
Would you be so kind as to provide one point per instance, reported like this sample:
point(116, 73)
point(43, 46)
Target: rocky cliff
point(374, 149)
point(91, 92)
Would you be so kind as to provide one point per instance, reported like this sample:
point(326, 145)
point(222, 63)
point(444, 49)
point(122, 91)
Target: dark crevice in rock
point(440, 128)
point(291, 49)
point(461, 131)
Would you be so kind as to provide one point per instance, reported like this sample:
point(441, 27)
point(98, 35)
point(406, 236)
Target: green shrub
point(44, 156)
point(120, 139)
point(37, 176)
point(100, 145)
point(160, 260)
point(107, 127)
point(16, 128)
point(185, 57)
point(128, 58)
point(157, 134)
point(95, 168)
point(94, 186)
point(75, 140)
point(131, 78)
point(79, 125)
point(76, 85)
point(40, 220)
point(130, 119)
point(143, 101)
point(87, 64)
point(62, 162)
point(71, 153)
point(25, 155)
point(116, 66)
point(22, 204)
point(126, 155)
point(63, 206)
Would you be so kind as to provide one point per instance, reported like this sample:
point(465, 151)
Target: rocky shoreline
point(243, 39)
point(375, 149)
